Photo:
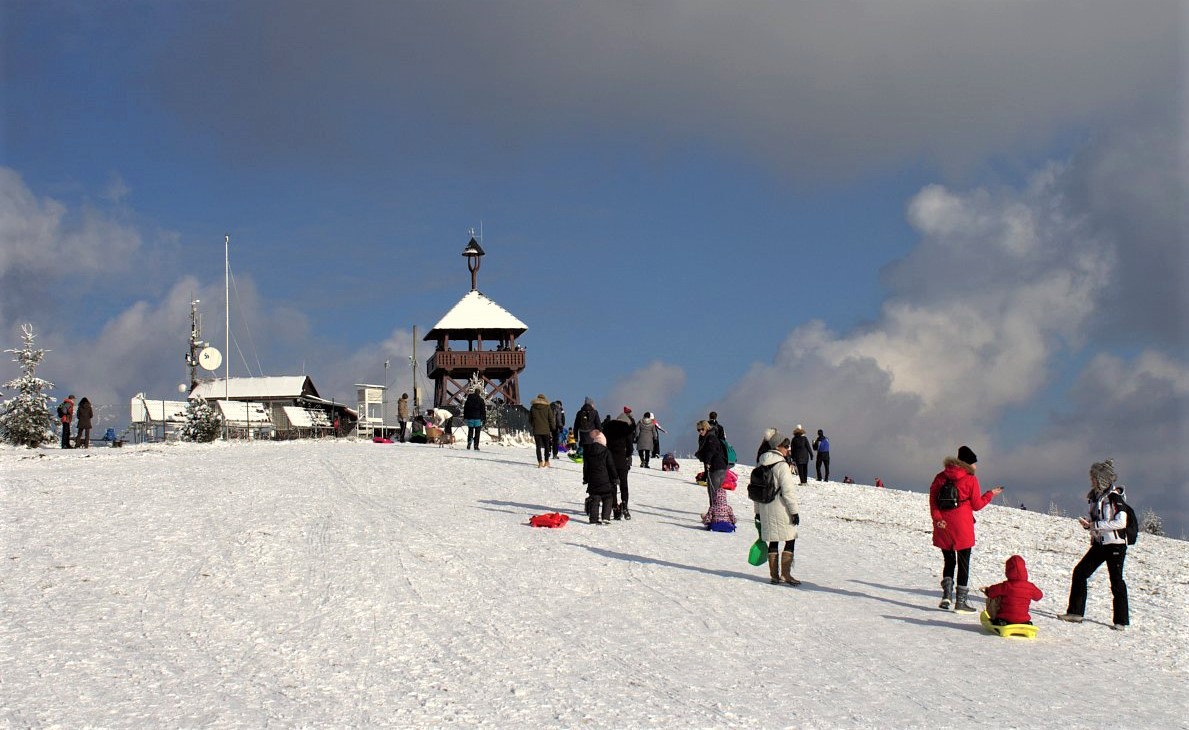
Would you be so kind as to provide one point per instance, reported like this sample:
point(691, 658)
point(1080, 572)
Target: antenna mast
point(196, 343)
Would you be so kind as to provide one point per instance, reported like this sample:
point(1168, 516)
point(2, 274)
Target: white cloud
point(651, 388)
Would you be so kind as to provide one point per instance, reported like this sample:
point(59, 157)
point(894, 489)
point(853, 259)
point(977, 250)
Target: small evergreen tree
point(25, 420)
point(1151, 523)
point(203, 423)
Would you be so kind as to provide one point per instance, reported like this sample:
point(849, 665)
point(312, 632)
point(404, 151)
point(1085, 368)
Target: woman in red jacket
point(953, 529)
point(1014, 595)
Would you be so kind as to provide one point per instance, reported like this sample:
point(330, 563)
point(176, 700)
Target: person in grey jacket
point(647, 437)
point(780, 517)
point(1108, 544)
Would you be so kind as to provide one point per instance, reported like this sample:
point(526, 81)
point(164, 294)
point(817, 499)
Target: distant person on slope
point(802, 452)
point(953, 528)
point(821, 445)
point(474, 412)
point(600, 478)
point(780, 517)
point(542, 421)
point(1108, 544)
point(85, 413)
point(618, 433)
point(559, 425)
point(647, 438)
point(402, 414)
point(586, 422)
point(713, 456)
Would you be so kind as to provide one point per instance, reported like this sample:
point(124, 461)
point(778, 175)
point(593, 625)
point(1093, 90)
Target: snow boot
point(617, 512)
point(960, 603)
point(774, 567)
point(786, 569)
point(947, 593)
point(1073, 618)
point(623, 510)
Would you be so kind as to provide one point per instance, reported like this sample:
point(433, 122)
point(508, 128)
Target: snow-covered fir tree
point(1151, 523)
point(203, 422)
point(25, 418)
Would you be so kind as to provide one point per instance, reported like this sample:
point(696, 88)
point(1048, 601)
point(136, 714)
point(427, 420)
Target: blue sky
point(913, 226)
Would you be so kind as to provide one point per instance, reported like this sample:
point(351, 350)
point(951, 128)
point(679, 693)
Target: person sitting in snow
point(720, 518)
point(1007, 602)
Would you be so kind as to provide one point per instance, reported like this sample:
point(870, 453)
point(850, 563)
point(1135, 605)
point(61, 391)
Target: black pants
point(623, 488)
point(962, 558)
point(403, 425)
point(789, 545)
point(1113, 556)
point(645, 455)
point(66, 435)
point(554, 434)
point(823, 459)
point(543, 450)
point(803, 471)
point(600, 505)
point(473, 436)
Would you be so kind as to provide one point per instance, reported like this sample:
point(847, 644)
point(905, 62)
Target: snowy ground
point(350, 584)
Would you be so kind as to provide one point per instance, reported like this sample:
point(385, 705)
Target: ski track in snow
point(348, 584)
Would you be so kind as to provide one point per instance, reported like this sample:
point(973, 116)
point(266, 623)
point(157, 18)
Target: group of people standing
point(953, 534)
point(606, 447)
point(84, 414)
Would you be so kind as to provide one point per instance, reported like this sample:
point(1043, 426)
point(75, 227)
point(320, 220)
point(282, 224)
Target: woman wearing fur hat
point(780, 517)
point(1108, 544)
point(618, 433)
point(953, 529)
point(542, 421)
point(802, 452)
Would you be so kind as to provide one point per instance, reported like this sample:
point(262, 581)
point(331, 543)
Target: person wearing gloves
point(780, 517)
point(1108, 544)
point(953, 529)
point(1007, 602)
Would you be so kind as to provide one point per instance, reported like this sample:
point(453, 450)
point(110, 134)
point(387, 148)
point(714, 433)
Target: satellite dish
point(210, 358)
point(182, 387)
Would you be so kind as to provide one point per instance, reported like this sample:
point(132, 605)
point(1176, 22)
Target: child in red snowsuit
point(1007, 602)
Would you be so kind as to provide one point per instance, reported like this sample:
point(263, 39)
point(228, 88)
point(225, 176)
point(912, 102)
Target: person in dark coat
point(802, 452)
point(474, 412)
point(618, 433)
point(821, 445)
point(713, 456)
point(65, 416)
point(586, 422)
point(84, 413)
point(542, 421)
point(559, 425)
point(953, 529)
point(600, 478)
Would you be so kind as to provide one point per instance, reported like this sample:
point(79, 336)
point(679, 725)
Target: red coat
point(959, 522)
point(1015, 593)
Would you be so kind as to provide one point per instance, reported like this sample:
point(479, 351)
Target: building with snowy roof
point(290, 403)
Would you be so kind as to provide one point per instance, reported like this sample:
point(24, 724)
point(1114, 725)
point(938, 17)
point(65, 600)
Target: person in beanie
point(1007, 602)
point(474, 412)
point(821, 445)
point(953, 529)
point(1108, 544)
point(600, 478)
point(780, 517)
point(542, 421)
point(802, 452)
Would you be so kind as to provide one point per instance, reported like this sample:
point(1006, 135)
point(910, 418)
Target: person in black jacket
point(586, 420)
point(713, 456)
point(474, 412)
point(559, 424)
point(802, 452)
point(619, 432)
point(600, 478)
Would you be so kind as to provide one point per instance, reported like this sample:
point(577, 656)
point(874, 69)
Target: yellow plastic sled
point(1022, 631)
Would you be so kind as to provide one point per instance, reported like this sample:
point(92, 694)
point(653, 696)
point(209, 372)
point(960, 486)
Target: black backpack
point(583, 422)
point(62, 410)
point(947, 496)
point(762, 487)
point(1131, 532)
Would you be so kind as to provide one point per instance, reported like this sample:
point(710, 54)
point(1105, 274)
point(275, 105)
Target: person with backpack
point(85, 413)
point(1111, 527)
point(954, 497)
point(586, 422)
point(713, 456)
point(65, 416)
point(771, 491)
point(821, 445)
point(474, 412)
point(802, 452)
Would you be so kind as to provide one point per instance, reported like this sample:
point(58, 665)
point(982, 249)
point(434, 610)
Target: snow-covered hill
point(349, 584)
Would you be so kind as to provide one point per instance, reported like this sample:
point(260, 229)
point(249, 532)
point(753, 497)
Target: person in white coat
point(1106, 524)
point(780, 517)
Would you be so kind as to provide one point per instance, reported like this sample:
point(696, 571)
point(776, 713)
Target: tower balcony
point(493, 362)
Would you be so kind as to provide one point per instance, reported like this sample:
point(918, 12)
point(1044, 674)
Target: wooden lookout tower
point(490, 357)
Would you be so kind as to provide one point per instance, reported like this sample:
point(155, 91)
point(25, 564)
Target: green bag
point(758, 555)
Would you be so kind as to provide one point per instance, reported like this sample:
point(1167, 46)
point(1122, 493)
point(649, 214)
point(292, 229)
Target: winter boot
point(947, 593)
point(786, 569)
point(960, 604)
point(774, 567)
point(623, 510)
point(617, 512)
